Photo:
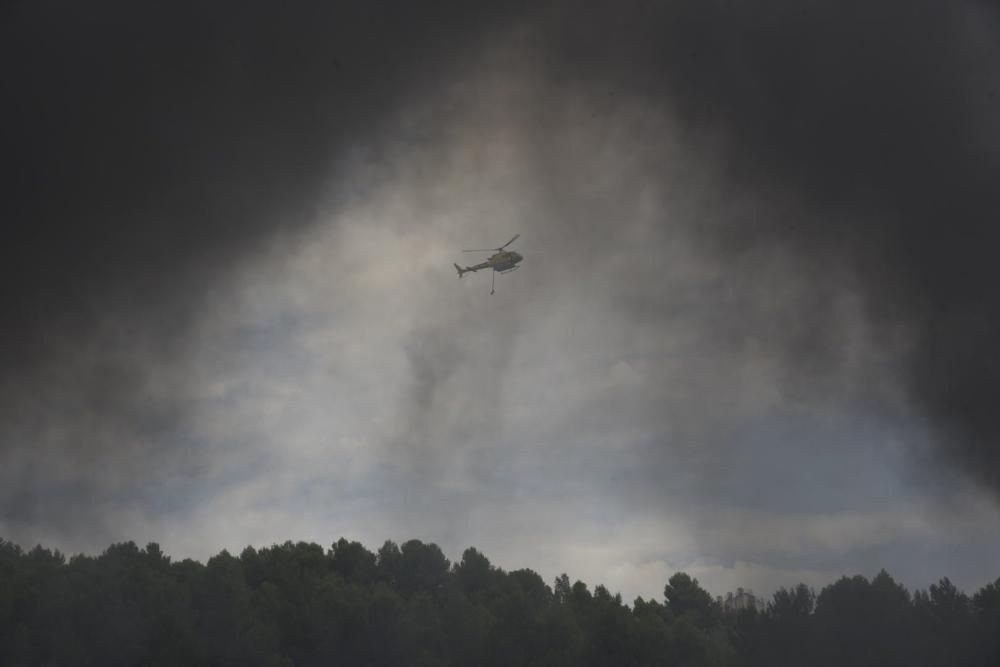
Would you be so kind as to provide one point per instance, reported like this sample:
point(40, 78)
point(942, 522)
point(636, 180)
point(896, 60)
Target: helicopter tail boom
point(471, 269)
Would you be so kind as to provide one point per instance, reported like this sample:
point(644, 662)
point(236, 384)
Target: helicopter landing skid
point(494, 280)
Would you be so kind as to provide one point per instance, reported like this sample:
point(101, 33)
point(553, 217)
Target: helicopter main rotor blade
point(516, 236)
point(479, 250)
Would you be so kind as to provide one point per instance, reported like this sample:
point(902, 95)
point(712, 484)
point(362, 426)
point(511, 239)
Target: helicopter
point(502, 261)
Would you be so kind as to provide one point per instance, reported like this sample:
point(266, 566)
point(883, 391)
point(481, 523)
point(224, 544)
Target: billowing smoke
point(150, 152)
point(868, 135)
point(717, 190)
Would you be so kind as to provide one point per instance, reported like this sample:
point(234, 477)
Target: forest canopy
point(406, 604)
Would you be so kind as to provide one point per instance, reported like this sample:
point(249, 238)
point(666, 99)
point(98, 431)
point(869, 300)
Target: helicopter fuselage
point(504, 260)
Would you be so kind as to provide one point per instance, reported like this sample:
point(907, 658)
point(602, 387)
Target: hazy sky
point(753, 337)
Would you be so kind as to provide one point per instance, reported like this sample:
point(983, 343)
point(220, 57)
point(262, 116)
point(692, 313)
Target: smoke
point(724, 207)
point(865, 137)
point(151, 153)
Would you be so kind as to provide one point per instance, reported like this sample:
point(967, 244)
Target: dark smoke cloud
point(148, 147)
point(868, 131)
point(149, 151)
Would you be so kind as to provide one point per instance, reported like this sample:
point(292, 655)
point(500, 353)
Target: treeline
point(299, 604)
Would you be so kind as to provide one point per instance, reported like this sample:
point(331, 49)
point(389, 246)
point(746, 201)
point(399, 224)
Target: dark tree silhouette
point(298, 604)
